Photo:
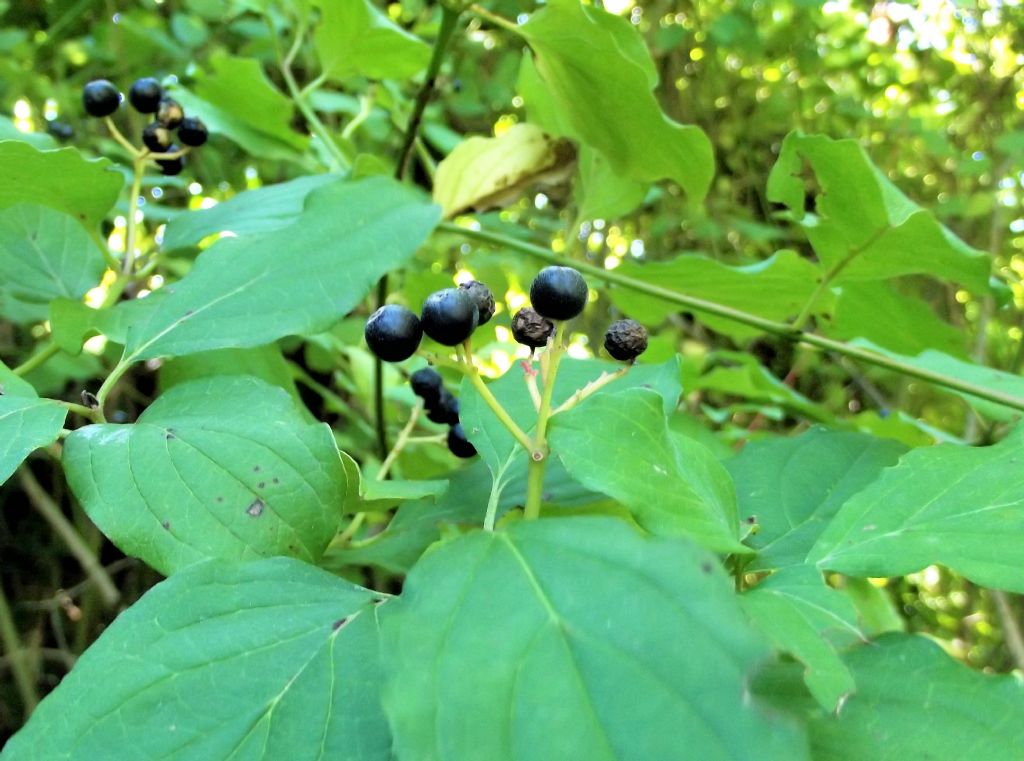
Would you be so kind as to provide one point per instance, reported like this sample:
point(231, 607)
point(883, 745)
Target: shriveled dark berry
point(449, 316)
point(458, 444)
point(170, 113)
point(192, 132)
point(173, 166)
point(530, 329)
point(427, 384)
point(156, 137)
point(393, 333)
point(145, 95)
point(446, 410)
point(559, 293)
point(100, 98)
point(625, 340)
point(482, 297)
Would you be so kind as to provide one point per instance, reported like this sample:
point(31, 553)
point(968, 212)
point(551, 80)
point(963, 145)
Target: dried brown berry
point(625, 340)
point(531, 329)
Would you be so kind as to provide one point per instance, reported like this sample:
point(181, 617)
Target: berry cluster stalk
point(539, 452)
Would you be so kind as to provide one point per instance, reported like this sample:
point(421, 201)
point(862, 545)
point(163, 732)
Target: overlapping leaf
point(26, 421)
point(222, 467)
point(620, 445)
point(356, 38)
point(574, 638)
point(959, 506)
point(298, 279)
point(794, 486)
point(224, 660)
point(601, 76)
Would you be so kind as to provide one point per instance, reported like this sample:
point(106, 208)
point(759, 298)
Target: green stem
point(108, 384)
point(781, 329)
point(38, 359)
point(51, 512)
point(498, 21)
point(489, 399)
point(128, 264)
point(591, 388)
point(403, 439)
point(16, 654)
point(539, 454)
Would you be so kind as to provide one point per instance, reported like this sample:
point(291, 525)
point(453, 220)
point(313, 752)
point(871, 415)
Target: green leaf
point(299, 279)
point(224, 660)
point(492, 172)
point(805, 617)
point(601, 76)
point(962, 507)
point(600, 640)
point(223, 467)
point(383, 495)
point(39, 140)
point(619, 444)
point(14, 385)
point(355, 38)
point(891, 319)
point(26, 423)
point(865, 228)
point(776, 288)
point(794, 486)
point(603, 193)
point(44, 254)
point(915, 702)
point(86, 189)
point(237, 100)
point(254, 211)
point(72, 322)
point(496, 445)
point(979, 375)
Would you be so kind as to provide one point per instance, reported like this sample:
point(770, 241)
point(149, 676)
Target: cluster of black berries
point(101, 99)
point(442, 407)
point(560, 293)
point(450, 316)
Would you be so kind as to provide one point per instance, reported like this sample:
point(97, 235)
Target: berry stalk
point(539, 452)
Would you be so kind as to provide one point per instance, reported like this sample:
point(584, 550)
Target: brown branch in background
point(1010, 626)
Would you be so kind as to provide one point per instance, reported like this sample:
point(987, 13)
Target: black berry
point(156, 137)
point(173, 166)
point(192, 132)
point(458, 444)
point(446, 410)
point(449, 316)
point(427, 385)
point(625, 340)
point(530, 329)
point(559, 293)
point(482, 297)
point(100, 98)
point(393, 333)
point(170, 113)
point(145, 95)
point(60, 130)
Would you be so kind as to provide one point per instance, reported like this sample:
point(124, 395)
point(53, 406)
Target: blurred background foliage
point(933, 90)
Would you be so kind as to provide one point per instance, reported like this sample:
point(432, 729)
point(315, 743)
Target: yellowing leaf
point(488, 172)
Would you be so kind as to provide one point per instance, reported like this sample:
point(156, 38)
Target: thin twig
point(1011, 628)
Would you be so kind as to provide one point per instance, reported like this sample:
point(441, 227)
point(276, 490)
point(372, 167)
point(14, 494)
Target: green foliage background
point(927, 103)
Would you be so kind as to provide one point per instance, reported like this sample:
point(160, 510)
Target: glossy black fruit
point(559, 293)
point(192, 132)
point(393, 333)
point(170, 113)
point(156, 137)
point(174, 166)
point(446, 410)
point(530, 329)
point(100, 98)
point(449, 316)
point(145, 95)
point(62, 131)
point(427, 384)
point(625, 340)
point(482, 297)
point(458, 444)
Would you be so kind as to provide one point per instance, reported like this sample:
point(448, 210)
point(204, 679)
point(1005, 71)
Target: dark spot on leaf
point(220, 499)
point(379, 600)
point(705, 566)
point(169, 434)
point(166, 525)
point(277, 480)
point(255, 509)
point(261, 485)
point(751, 519)
point(338, 624)
point(256, 468)
point(646, 385)
point(190, 312)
